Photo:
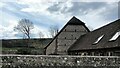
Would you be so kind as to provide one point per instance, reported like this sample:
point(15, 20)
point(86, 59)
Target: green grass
point(19, 45)
point(20, 50)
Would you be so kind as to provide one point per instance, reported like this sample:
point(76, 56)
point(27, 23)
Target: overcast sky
point(51, 12)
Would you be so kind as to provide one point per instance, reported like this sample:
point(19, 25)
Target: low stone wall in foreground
point(50, 61)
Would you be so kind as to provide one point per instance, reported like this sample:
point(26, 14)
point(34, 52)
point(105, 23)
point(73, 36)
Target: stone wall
point(44, 61)
point(65, 39)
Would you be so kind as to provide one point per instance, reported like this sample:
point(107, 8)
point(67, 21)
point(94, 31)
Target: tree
point(24, 26)
point(41, 35)
point(53, 30)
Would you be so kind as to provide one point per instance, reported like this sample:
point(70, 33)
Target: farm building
point(76, 39)
point(66, 37)
point(104, 41)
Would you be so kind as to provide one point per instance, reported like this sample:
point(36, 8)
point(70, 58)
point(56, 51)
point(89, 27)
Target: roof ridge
point(75, 21)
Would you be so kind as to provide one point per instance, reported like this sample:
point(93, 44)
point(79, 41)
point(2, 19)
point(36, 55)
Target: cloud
point(85, 7)
point(7, 30)
point(75, 8)
point(12, 11)
point(39, 11)
point(119, 10)
point(2, 4)
point(36, 1)
point(44, 14)
point(37, 29)
point(55, 7)
point(90, 12)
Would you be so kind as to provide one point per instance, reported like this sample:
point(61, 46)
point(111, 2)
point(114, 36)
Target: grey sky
point(106, 10)
point(44, 14)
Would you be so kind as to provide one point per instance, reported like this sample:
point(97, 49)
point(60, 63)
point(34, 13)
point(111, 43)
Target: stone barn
point(76, 39)
point(104, 41)
point(66, 37)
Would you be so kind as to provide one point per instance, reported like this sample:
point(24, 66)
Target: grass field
point(22, 50)
point(19, 46)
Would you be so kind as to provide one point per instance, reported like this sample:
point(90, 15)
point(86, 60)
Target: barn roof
point(75, 21)
point(99, 38)
point(72, 21)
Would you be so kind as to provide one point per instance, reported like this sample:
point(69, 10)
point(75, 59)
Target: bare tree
point(41, 35)
point(24, 26)
point(53, 30)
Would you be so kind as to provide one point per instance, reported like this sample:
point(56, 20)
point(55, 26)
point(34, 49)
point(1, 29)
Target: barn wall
point(66, 38)
point(51, 48)
point(98, 52)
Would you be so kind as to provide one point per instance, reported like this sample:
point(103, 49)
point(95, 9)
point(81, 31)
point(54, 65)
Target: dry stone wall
point(50, 61)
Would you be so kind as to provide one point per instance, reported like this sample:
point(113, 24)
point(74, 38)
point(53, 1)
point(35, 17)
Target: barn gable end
point(66, 37)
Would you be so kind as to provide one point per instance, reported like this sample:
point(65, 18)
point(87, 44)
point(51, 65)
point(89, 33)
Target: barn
point(60, 44)
point(104, 41)
point(76, 39)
